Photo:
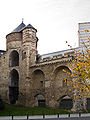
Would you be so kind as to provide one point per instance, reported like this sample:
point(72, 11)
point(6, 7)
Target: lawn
point(18, 110)
point(21, 111)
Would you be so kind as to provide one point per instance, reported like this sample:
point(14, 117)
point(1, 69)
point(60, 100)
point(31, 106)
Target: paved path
point(50, 117)
point(73, 118)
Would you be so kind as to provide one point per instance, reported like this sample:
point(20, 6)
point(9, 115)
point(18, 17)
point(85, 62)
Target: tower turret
point(29, 44)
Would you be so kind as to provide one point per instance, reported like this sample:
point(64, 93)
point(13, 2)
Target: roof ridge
point(29, 26)
point(19, 28)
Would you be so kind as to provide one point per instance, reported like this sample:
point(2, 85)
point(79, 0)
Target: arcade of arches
point(38, 78)
point(39, 84)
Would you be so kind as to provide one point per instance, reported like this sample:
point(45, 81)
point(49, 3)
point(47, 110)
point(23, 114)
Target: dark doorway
point(40, 100)
point(13, 86)
point(66, 103)
point(88, 103)
point(41, 103)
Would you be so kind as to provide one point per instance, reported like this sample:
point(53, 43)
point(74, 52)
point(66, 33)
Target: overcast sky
point(56, 21)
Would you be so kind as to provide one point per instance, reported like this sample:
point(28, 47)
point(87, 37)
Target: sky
point(56, 21)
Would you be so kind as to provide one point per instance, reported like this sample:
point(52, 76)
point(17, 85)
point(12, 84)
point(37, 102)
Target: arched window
point(13, 86)
point(14, 59)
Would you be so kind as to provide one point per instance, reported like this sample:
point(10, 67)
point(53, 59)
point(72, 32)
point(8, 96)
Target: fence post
point(12, 117)
point(79, 114)
point(58, 115)
point(27, 117)
point(69, 115)
point(43, 115)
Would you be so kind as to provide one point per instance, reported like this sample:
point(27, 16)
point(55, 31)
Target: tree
point(80, 76)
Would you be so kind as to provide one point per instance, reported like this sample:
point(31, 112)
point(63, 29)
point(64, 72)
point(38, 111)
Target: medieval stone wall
point(26, 81)
point(38, 79)
point(4, 77)
point(42, 80)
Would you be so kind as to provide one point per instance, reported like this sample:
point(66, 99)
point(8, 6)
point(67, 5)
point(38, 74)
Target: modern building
point(84, 33)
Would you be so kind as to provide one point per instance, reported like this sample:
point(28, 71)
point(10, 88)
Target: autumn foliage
point(80, 71)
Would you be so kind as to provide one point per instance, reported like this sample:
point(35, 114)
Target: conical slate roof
point(19, 28)
point(29, 26)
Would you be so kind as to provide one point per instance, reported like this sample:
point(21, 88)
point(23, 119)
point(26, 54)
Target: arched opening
point(13, 86)
point(66, 102)
point(14, 59)
point(40, 100)
point(38, 79)
point(62, 76)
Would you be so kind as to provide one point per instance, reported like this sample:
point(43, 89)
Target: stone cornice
point(63, 60)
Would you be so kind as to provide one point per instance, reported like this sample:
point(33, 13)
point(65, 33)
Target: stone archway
point(13, 86)
point(38, 79)
point(40, 100)
point(66, 102)
point(60, 87)
point(13, 59)
point(60, 76)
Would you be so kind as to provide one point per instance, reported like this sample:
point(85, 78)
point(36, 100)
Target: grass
point(21, 111)
point(89, 111)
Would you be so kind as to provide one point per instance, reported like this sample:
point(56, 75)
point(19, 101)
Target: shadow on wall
point(2, 106)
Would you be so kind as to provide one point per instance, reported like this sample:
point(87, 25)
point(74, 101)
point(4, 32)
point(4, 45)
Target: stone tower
point(21, 53)
point(29, 46)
